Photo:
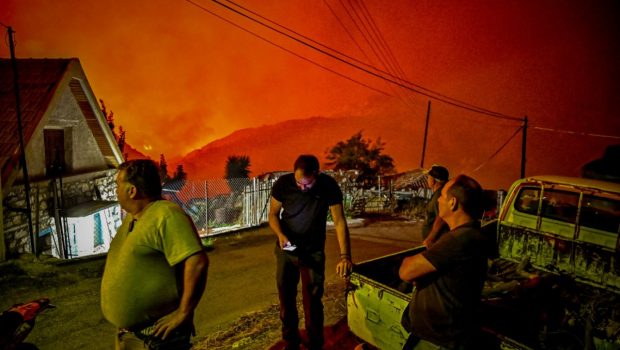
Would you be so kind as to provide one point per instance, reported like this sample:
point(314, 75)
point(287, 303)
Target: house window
point(54, 151)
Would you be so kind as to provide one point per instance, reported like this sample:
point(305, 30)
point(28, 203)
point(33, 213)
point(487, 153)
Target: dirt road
point(241, 280)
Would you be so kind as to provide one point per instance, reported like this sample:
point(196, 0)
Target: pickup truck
point(554, 282)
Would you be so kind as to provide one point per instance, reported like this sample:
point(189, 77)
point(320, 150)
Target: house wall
point(82, 154)
point(76, 189)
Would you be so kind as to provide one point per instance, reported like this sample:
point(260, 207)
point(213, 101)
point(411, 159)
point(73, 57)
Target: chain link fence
point(402, 194)
point(222, 205)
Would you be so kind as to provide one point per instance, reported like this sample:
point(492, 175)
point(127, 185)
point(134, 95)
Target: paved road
point(242, 272)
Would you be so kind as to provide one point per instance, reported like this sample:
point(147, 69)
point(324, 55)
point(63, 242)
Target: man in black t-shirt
point(298, 214)
point(449, 275)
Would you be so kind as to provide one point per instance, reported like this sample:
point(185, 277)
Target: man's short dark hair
point(144, 174)
point(308, 163)
point(469, 195)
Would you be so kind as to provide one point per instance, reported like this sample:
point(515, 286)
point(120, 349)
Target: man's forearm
point(195, 272)
point(274, 224)
point(438, 224)
point(342, 234)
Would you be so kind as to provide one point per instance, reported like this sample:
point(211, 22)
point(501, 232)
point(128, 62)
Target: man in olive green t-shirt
point(156, 269)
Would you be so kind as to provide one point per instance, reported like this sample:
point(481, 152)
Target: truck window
point(528, 200)
point(560, 205)
point(600, 213)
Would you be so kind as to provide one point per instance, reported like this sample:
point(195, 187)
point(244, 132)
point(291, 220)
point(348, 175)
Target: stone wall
point(76, 189)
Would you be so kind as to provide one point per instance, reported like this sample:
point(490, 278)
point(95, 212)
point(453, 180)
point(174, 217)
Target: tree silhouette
point(179, 174)
point(120, 136)
point(237, 172)
point(360, 154)
point(163, 169)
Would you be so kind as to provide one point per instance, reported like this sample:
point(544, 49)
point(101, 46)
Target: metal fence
point(383, 194)
point(222, 205)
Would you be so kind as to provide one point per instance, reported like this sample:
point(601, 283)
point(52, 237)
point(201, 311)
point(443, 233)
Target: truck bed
point(522, 308)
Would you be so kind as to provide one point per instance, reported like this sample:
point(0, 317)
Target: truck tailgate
point(377, 300)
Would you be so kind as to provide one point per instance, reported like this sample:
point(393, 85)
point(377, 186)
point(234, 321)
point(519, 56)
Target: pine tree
point(179, 173)
point(120, 137)
point(163, 169)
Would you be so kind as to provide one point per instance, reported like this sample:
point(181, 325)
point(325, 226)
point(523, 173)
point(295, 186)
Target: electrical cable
point(391, 63)
point(575, 132)
point(499, 150)
point(375, 37)
point(393, 80)
point(454, 101)
point(387, 47)
point(430, 94)
point(346, 30)
point(287, 50)
point(393, 88)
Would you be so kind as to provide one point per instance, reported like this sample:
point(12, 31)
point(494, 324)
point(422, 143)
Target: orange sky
point(177, 78)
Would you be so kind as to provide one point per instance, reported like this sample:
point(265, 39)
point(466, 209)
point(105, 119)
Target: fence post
point(253, 198)
point(206, 206)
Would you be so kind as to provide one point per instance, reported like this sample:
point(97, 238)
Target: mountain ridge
point(274, 147)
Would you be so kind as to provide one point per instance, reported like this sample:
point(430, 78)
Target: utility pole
point(523, 147)
point(22, 149)
point(428, 115)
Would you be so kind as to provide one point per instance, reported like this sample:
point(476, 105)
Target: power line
point(430, 94)
point(499, 150)
point(390, 64)
point(399, 81)
point(390, 78)
point(576, 132)
point(346, 30)
point(395, 89)
point(382, 39)
point(287, 50)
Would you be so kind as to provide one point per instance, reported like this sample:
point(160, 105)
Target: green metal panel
point(374, 312)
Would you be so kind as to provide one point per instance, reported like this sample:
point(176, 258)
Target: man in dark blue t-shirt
point(298, 215)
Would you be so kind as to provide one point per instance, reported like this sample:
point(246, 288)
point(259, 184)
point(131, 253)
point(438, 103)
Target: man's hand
point(344, 267)
point(167, 324)
point(282, 240)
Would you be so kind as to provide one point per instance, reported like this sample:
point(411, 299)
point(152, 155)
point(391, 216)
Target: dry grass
point(261, 329)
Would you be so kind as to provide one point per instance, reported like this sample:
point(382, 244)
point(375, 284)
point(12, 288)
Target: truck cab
point(564, 225)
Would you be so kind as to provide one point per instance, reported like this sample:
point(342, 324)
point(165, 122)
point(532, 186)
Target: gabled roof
point(39, 81)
